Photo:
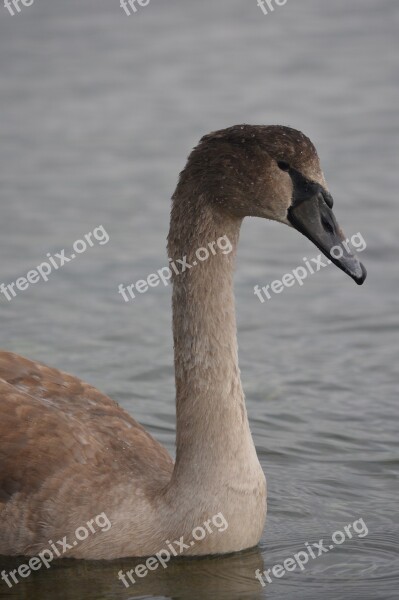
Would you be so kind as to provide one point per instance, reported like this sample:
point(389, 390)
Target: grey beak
point(314, 218)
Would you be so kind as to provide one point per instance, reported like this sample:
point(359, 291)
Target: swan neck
point(211, 415)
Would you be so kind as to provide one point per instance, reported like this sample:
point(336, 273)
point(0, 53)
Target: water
point(98, 113)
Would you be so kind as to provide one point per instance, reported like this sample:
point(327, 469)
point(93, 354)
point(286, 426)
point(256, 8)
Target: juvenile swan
point(69, 453)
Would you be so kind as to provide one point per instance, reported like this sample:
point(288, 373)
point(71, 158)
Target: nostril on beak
point(328, 199)
point(327, 225)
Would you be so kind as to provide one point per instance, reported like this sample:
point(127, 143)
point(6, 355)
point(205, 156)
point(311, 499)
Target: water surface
point(98, 112)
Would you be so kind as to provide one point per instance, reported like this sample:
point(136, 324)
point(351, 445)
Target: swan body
point(68, 452)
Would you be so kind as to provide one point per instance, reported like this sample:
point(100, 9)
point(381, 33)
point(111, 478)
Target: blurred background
point(99, 111)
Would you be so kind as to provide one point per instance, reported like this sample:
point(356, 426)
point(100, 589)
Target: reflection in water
point(228, 577)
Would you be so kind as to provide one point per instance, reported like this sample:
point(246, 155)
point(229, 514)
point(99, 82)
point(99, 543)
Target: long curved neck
point(212, 427)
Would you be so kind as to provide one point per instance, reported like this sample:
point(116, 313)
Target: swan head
point(271, 172)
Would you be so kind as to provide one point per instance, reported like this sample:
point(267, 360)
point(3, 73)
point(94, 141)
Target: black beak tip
point(361, 279)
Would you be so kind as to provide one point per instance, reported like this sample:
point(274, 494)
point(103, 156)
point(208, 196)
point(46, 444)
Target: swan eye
point(284, 166)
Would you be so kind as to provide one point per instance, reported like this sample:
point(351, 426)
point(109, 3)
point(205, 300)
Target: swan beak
point(314, 218)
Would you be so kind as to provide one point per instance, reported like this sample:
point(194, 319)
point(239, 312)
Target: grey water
point(98, 113)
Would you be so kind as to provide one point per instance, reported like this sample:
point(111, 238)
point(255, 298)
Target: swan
point(68, 452)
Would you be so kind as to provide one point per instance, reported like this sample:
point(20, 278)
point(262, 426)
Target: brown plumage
point(60, 440)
